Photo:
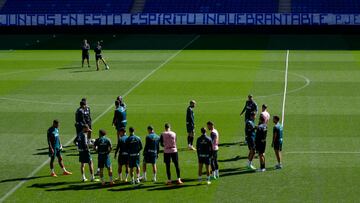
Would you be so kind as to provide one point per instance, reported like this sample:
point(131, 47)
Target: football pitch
point(158, 75)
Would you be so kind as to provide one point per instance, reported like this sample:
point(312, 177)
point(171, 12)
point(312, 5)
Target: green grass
point(321, 118)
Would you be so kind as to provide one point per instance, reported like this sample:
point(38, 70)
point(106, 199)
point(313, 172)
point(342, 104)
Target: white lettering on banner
point(234, 19)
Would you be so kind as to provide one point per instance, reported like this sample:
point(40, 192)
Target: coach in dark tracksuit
point(250, 106)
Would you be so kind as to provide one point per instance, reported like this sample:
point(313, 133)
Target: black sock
point(188, 140)
point(191, 140)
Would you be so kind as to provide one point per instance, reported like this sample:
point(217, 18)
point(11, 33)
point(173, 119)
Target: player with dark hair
point(260, 142)
point(250, 139)
point(85, 47)
point(84, 152)
point(103, 147)
point(98, 56)
point(55, 147)
point(250, 106)
point(123, 159)
point(119, 120)
point(80, 117)
point(265, 113)
point(134, 146)
point(168, 141)
point(151, 152)
point(121, 100)
point(204, 148)
point(87, 116)
point(190, 124)
point(214, 135)
point(277, 140)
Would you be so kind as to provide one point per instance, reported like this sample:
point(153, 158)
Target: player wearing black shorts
point(151, 152)
point(84, 152)
point(277, 140)
point(250, 139)
point(98, 56)
point(260, 142)
point(123, 159)
point(80, 118)
point(134, 146)
point(103, 147)
point(204, 151)
point(87, 116)
point(85, 53)
point(119, 119)
point(190, 124)
point(55, 147)
point(250, 106)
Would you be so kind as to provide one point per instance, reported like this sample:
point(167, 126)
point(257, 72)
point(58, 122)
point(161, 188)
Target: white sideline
point(285, 87)
point(10, 192)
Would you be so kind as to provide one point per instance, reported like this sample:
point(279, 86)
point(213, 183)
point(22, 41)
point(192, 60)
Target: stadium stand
point(213, 6)
point(325, 6)
point(67, 6)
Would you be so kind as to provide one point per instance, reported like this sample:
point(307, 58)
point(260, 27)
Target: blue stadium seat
point(325, 6)
point(67, 6)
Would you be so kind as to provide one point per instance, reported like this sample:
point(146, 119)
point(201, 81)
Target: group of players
point(128, 148)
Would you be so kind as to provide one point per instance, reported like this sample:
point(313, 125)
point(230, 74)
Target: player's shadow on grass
point(234, 171)
point(229, 144)
point(69, 68)
point(237, 158)
point(76, 187)
point(83, 71)
point(22, 179)
point(140, 186)
point(49, 185)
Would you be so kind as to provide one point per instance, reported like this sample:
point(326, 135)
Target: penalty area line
point(17, 186)
point(322, 152)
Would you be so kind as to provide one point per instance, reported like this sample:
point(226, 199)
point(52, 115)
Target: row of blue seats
point(178, 6)
point(325, 6)
point(67, 6)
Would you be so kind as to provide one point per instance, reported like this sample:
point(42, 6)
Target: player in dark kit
point(121, 100)
point(98, 56)
point(119, 119)
point(250, 139)
point(204, 147)
point(103, 147)
point(134, 146)
point(123, 159)
point(85, 53)
point(277, 140)
point(87, 117)
point(151, 152)
point(55, 147)
point(250, 106)
point(190, 124)
point(260, 142)
point(80, 117)
point(84, 152)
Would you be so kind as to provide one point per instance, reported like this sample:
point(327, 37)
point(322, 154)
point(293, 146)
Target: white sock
point(208, 178)
point(126, 176)
point(144, 175)
point(154, 175)
point(120, 176)
point(64, 169)
point(83, 176)
point(200, 178)
point(98, 170)
point(52, 170)
point(111, 179)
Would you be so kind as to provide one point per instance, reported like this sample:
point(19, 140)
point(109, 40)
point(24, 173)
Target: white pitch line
point(285, 87)
point(321, 152)
point(101, 115)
